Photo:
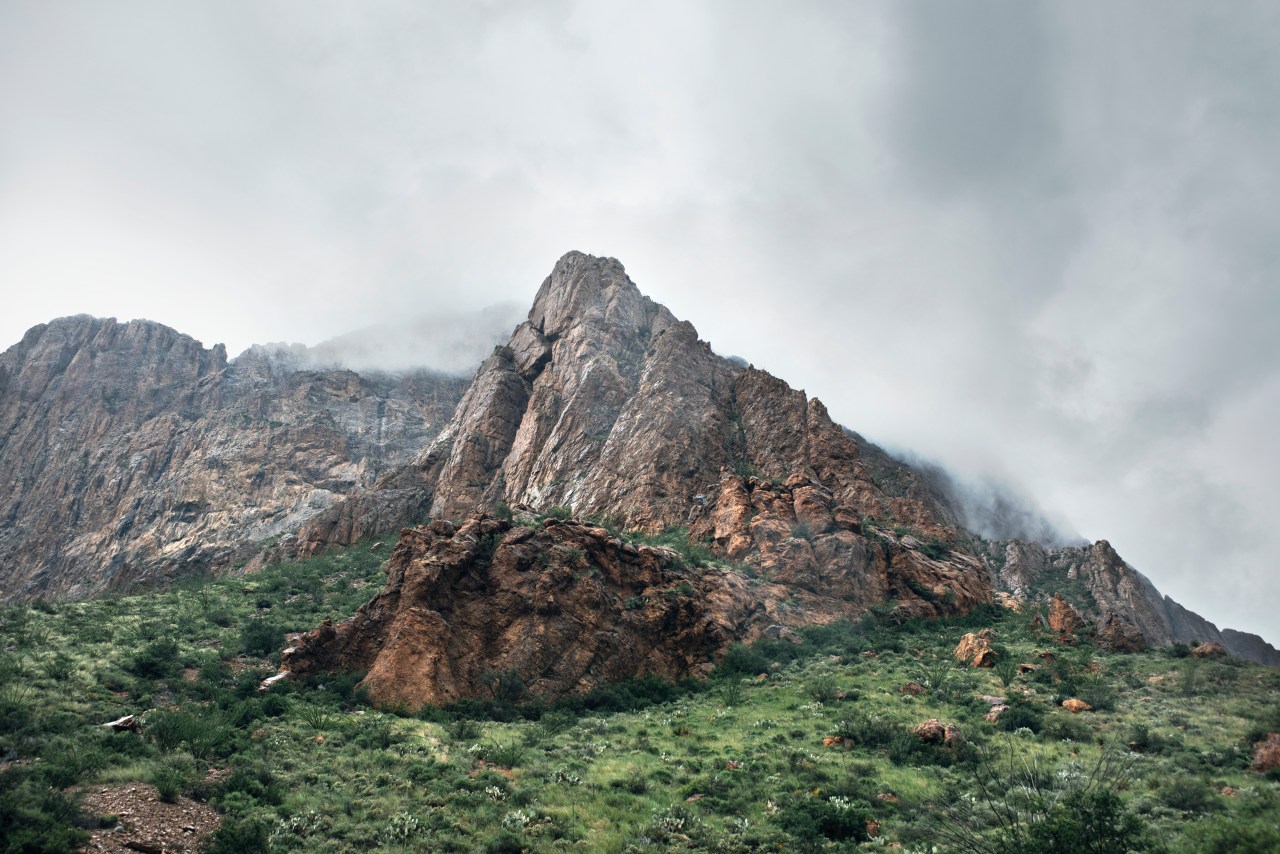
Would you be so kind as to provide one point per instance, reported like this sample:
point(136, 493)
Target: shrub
point(1084, 823)
point(259, 636)
point(170, 777)
point(1185, 793)
point(834, 818)
point(239, 835)
point(508, 755)
point(37, 819)
point(1021, 714)
point(822, 688)
point(156, 659)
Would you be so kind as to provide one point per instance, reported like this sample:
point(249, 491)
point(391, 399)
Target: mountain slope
point(134, 454)
point(605, 403)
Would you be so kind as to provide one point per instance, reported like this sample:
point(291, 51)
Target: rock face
point(1102, 587)
point(1063, 619)
point(133, 454)
point(553, 608)
point(604, 403)
point(1119, 635)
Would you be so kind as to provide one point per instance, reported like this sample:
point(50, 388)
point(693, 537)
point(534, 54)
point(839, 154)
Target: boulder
point(1266, 753)
point(996, 711)
point(1074, 706)
point(1212, 649)
point(975, 649)
point(934, 731)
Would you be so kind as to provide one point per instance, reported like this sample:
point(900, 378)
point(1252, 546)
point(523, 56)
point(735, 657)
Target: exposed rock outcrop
point(1266, 753)
point(555, 608)
point(975, 649)
point(1102, 587)
point(604, 403)
point(1063, 619)
point(1212, 649)
point(1119, 635)
point(134, 454)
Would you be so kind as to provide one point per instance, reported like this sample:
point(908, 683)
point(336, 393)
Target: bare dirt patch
point(147, 824)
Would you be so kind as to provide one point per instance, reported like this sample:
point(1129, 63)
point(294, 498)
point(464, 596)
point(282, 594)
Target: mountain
point(1102, 586)
point(133, 454)
point(136, 454)
point(604, 403)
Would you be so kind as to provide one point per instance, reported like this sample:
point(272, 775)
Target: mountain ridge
point(601, 401)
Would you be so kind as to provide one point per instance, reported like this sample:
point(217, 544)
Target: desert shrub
point(204, 735)
point(238, 835)
point(67, 762)
point(1006, 670)
point(867, 732)
point(835, 818)
point(35, 818)
point(1065, 727)
point(822, 688)
point(1019, 715)
point(171, 776)
point(743, 660)
point(505, 685)
point(1085, 822)
point(259, 636)
point(252, 782)
point(1231, 835)
point(1185, 793)
point(155, 659)
point(60, 667)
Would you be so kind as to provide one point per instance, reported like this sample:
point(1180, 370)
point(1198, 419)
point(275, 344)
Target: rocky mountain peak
point(596, 293)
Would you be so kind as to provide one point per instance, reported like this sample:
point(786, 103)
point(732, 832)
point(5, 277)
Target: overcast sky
point(1032, 239)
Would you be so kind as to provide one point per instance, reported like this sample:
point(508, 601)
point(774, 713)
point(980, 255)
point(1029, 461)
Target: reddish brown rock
point(1063, 618)
point(915, 689)
point(995, 712)
point(1075, 706)
point(1119, 635)
point(1212, 649)
point(934, 731)
point(1266, 753)
point(554, 608)
point(975, 649)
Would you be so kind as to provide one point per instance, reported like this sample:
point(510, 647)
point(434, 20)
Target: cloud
point(1034, 240)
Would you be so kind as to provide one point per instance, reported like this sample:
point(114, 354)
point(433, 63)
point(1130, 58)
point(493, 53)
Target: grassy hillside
point(735, 764)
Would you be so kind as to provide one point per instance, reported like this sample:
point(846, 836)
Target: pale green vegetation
point(734, 764)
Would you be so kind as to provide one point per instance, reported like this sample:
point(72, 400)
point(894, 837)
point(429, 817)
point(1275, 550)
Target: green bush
point(238, 835)
point(259, 636)
point(812, 818)
point(37, 819)
point(1085, 822)
point(155, 660)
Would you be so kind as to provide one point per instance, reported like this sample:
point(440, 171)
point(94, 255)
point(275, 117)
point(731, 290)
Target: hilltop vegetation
point(790, 747)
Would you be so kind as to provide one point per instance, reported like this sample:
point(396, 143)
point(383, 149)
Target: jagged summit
point(136, 454)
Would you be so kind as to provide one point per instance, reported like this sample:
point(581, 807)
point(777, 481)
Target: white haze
point(448, 341)
point(1031, 240)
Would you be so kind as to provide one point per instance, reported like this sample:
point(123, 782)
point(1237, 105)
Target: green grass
point(737, 764)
